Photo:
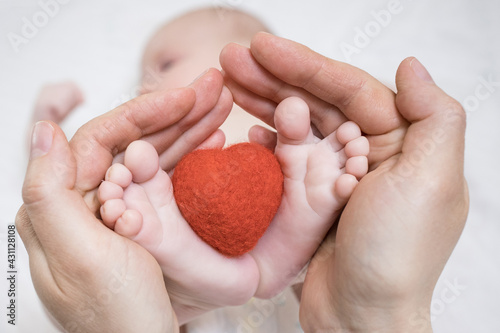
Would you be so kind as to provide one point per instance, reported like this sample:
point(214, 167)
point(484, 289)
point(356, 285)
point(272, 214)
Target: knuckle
point(22, 221)
point(455, 111)
point(35, 191)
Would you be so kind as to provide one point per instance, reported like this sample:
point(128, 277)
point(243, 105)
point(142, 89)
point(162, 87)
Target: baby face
point(186, 47)
point(179, 52)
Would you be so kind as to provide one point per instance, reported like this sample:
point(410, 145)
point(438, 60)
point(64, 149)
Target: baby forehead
point(190, 27)
point(223, 21)
point(201, 27)
point(207, 18)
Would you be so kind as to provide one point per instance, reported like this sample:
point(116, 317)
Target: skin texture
point(357, 282)
point(319, 176)
point(94, 285)
point(376, 271)
point(334, 91)
point(171, 60)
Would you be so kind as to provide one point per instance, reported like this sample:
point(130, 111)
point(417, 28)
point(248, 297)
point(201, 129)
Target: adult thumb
point(51, 168)
point(48, 194)
point(434, 144)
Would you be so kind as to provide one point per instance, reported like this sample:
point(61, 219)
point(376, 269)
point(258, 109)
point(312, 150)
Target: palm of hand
point(374, 233)
point(385, 213)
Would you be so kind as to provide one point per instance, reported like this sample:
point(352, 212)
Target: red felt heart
point(229, 196)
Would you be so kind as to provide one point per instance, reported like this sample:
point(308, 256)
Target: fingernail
point(41, 139)
point(205, 72)
point(420, 70)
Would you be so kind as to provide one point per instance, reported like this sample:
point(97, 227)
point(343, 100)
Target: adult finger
point(434, 145)
point(51, 202)
point(203, 128)
point(263, 136)
point(96, 142)
point(212, 105)
point(254, 104)
point(258, 91)
point(277, 68)
point(357, 94)
point(74, 257)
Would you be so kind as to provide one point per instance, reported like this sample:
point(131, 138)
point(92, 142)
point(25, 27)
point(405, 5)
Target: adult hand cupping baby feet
point(138, 203)
point(88, 277)
point(378, 271)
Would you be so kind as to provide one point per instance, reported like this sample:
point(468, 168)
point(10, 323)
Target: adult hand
point(377, 271)
point(88, 277)
point(275, 68)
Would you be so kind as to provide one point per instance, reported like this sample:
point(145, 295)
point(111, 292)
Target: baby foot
point(138, 203)
point(319, 177)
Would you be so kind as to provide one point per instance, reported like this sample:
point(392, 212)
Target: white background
point(98, 44)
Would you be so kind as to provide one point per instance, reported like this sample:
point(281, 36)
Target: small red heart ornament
point(229, 196)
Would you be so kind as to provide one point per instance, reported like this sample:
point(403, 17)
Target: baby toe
point(111, 210)
point(129, 223)
point(119, 174)
point(292, 121)
point(357, 166)
point(357, 147)
point(109, 190)
point(141, 158)
point(344, 186)
point(348, 131)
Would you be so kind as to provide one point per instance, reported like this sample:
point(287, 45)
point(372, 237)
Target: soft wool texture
point(229, 196)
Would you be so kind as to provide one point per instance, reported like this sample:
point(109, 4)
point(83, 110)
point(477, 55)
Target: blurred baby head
point(186, 46)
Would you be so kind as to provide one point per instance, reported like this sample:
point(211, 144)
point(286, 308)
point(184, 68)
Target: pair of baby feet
point(319, 177)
